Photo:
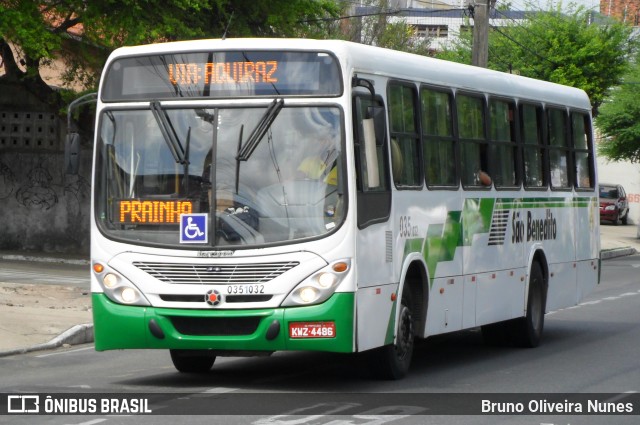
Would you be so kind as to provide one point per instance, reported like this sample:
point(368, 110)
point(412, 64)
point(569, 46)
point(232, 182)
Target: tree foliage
point(377, 27)
point(563, 47)
point(39, 30)
point(619, 120)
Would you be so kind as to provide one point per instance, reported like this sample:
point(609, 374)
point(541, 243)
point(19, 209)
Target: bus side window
point(473, 143)
point(558, 148)
point(583, 150)
point(370, 145)
point(439, 145)
point(503, 146)
point(403, 124)
point(533, 147)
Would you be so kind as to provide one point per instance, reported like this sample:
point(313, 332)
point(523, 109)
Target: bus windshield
point(256, 175)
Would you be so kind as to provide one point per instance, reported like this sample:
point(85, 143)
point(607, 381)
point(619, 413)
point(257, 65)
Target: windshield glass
point(219, 176)
point(608, 192)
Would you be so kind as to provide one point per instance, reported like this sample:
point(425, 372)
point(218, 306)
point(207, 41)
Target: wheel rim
point(404, 342)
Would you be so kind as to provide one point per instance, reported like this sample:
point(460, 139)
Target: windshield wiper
point(245, 151)
point(169, 133)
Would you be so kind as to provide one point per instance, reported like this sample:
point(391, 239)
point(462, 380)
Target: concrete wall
point(41, 207)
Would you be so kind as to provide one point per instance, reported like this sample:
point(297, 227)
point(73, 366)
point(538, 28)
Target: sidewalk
point(616, 241)
point(41, 317)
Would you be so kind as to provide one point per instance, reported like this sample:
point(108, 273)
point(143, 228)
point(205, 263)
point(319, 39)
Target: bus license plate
point(312, 330)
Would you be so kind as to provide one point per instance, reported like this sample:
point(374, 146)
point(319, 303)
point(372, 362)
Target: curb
point(78, 334)
point(16, 257)
point(607, 254)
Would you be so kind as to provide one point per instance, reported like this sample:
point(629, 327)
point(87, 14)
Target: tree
point(375, 26)
point(619, 120)
point(33, 32)
point(559, 46)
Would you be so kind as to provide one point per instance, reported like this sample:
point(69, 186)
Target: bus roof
point(360, 58)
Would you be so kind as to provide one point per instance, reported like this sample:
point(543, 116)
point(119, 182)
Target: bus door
point(374, 237)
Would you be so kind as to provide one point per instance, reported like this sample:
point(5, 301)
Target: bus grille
point(201, 299)
point(215, 326)
point(215, 274)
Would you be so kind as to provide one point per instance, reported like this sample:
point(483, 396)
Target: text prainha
point(92, 405)
point(545, 406)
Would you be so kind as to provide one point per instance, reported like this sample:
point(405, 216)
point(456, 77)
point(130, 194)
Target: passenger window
point(503, 143)
point(531, 119)
point(558, 148)
point(473, 145)
point(437, 138)
point(581, 131)
point(405, 147)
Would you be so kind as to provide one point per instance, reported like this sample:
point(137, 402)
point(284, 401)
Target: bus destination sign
point(222, 74)
point(151, 211)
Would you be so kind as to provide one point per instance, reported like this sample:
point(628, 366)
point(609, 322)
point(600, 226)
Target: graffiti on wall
point(37, 192)
point(7, 181)
point(35, 189)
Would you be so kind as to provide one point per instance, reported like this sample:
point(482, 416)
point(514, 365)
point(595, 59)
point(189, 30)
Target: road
point(591, 348)
point(45, 272)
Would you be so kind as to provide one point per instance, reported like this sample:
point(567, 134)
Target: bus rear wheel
point(527, 331)
point(192, 361)
point(393, 361)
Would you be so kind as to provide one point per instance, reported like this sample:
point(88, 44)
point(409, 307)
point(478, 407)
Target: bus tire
point(192, 361)
point(392, 361)
point(527, 331)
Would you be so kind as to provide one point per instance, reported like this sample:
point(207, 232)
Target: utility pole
point(480, 51)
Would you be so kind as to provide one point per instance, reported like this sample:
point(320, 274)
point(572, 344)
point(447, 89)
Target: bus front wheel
point(192, 361)
point(393, 361)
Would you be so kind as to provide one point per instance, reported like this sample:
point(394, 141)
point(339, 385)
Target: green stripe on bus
point(460, 227)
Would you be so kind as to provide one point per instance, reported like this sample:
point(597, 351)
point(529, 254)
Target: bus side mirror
point(72, 153)
point(377, 113)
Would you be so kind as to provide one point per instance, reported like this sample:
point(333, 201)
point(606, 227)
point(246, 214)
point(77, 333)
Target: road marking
point(219, 390)
point(594, 302)
point(621, 396)
point(91, 422)
point(65, 352)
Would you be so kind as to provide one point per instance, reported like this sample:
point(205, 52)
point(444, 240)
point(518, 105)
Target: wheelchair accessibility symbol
point(193, 228)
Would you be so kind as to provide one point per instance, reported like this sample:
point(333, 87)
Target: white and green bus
point(253, 196)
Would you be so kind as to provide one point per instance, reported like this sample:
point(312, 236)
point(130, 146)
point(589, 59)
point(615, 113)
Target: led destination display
point(151, 211)
point(222, 74)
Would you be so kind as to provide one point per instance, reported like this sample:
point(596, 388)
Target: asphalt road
point(45, 273)
point(591, 348)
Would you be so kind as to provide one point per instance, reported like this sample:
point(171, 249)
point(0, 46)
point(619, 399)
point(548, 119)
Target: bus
point(261, 195)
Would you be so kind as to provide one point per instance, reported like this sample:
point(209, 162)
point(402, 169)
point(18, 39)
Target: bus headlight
point(327, 280)
point(308, 294)
point(110, 280)
point(319, 286)
point(117, 288)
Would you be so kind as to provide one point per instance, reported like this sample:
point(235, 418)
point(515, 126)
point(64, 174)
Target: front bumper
point(609, 215)
point(119, 326)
